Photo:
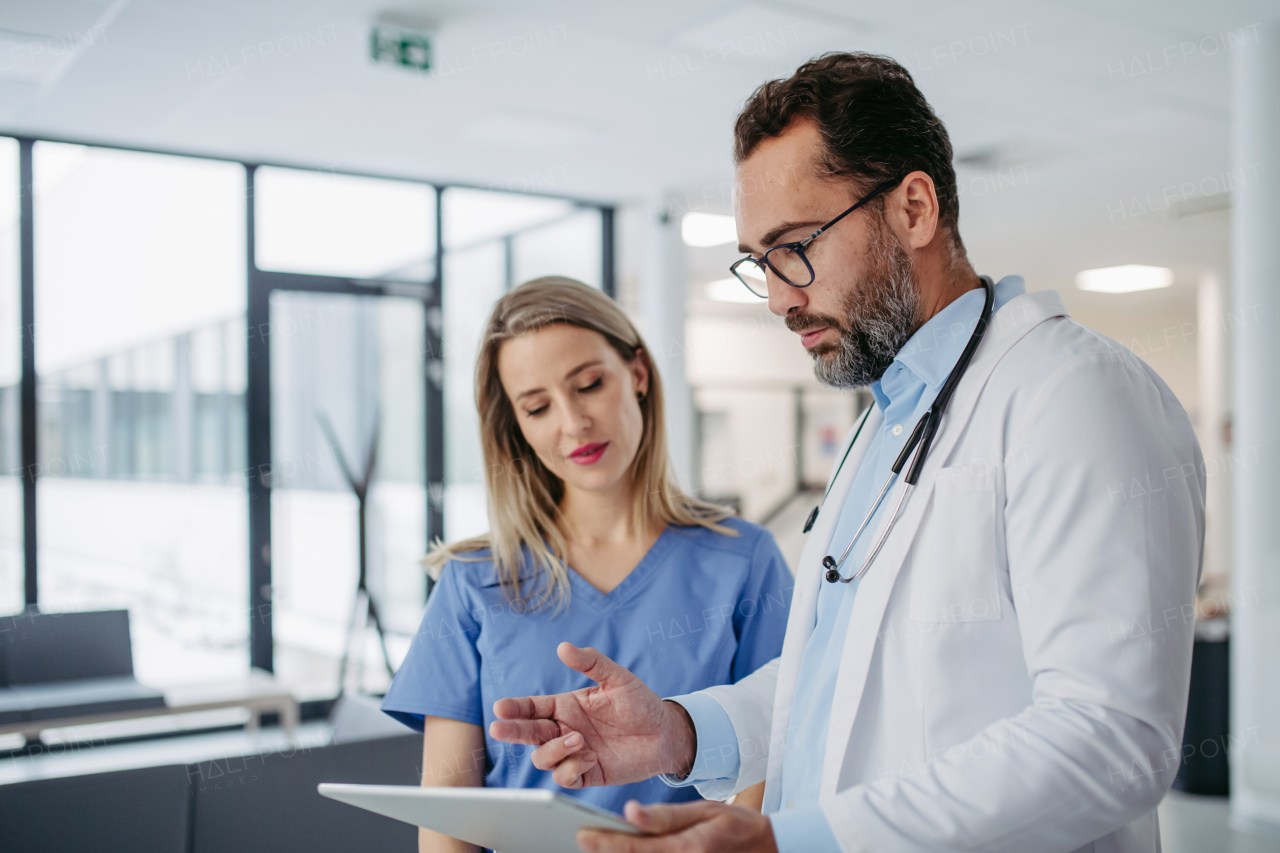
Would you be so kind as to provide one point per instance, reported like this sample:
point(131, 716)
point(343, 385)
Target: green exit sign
point(399, 46)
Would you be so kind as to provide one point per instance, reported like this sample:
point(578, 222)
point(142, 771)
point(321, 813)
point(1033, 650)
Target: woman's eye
point(594, 385)
point(533, 413)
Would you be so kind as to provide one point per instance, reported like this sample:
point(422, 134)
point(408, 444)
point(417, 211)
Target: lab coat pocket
point(955, 558)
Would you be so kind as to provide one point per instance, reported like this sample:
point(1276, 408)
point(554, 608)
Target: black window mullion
point(608, 273)
point(27, 392)
point(310, 283)
point(433, 390)
point(258, 443)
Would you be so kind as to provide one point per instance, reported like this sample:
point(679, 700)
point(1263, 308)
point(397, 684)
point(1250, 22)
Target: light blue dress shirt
point(903, 394)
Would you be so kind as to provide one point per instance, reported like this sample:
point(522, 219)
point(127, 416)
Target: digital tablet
point(511, 820)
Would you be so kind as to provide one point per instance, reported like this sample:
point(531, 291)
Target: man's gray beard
point(879, 319)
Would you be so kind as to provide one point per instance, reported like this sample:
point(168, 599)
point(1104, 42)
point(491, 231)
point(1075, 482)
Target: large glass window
point(140, 283)
point(347, 380)
point(347, 374)
point(493, 242)
point(11, 593)
point(328, 224)
point(141, 342)
point(569, 246)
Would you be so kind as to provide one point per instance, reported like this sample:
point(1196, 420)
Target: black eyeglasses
point(788, 260)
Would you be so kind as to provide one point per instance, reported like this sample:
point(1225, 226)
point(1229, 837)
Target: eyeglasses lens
point(790, 266)
point(750, 273)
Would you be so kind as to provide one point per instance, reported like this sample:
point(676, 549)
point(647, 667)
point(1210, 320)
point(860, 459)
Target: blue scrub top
point(700, 609)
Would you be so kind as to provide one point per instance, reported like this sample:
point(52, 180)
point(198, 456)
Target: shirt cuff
point(717, 756)
point(803, 829)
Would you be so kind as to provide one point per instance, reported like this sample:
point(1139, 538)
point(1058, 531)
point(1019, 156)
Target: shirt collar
point(933, 350)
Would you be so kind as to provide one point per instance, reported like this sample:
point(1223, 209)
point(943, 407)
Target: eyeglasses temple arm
point(804, 244)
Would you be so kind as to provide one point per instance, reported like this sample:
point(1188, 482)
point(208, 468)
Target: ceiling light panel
point(1124, 279)
point(730, 290)
point(708, 229)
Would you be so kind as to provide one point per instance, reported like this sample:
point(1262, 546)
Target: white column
point(662, 313)
point(1255, 307)
point(1213, 353)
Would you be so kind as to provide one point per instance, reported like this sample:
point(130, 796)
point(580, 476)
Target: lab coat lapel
point(804, 601)
point(1018, 316)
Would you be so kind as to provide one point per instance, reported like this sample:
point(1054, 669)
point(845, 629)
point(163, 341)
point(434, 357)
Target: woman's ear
point(640, 373)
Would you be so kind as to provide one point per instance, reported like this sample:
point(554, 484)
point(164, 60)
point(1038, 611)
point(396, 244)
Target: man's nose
point(783, 298)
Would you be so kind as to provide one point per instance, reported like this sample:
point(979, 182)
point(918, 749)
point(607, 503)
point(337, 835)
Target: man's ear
point(911, 211)
point(640, 371)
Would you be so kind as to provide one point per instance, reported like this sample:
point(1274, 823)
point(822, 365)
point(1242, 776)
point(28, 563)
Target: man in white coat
point(1010, 673)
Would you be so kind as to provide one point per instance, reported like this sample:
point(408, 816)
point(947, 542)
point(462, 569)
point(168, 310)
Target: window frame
point(260, 285)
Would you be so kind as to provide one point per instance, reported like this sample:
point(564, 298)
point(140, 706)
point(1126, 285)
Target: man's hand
point(615, 733)
point(685, 828)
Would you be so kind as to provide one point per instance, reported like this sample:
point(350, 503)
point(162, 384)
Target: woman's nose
point(574, 421)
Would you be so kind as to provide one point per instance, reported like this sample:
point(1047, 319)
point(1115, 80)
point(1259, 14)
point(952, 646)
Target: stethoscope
point(921, 438)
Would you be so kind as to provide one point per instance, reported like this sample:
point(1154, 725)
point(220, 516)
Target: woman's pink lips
point(810, 338)
point(588, 453)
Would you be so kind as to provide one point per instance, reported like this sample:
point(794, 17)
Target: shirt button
point(791, 804)
point(897, 430)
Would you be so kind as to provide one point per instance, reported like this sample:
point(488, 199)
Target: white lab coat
point(1015, 673)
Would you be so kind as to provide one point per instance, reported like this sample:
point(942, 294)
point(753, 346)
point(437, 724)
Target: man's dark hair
point(875, 123)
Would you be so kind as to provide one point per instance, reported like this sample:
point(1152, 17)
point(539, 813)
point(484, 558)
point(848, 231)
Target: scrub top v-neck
point(630, 585)
point(701, 608)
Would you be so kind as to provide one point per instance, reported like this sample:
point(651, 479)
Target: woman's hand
point(616, 732)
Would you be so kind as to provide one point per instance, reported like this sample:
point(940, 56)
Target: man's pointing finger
point(525, 708)
point(532, 732)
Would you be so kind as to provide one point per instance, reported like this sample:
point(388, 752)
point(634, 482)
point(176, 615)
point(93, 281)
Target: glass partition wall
point(220, 350)
point(139, 275)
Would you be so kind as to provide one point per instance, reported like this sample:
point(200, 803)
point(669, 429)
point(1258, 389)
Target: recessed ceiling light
point(1124, 279)
point(731, 290)
point(526, 131)
point(708, 229)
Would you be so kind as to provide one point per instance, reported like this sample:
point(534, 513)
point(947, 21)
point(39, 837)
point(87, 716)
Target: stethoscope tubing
point(884, 534)
point(916, 448)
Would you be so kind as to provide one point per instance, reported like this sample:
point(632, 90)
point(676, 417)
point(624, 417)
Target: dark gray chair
point(56, 665)
point(269, 804)
point(123, 812)
point(247, 803)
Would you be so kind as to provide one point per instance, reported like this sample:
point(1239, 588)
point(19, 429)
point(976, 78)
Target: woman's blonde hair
point(523, 495)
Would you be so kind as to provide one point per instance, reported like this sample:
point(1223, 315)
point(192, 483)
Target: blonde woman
point(590, 541)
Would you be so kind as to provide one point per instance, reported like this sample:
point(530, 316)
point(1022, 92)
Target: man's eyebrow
point(569, 375)
point(772, 236)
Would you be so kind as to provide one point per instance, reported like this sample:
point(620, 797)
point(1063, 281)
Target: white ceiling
point(1067, 117)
